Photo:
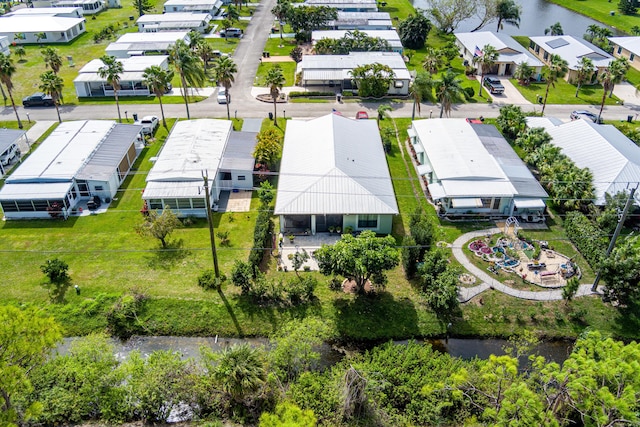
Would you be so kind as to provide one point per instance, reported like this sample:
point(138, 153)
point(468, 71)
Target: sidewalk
point(36, 131)
point(488, 282)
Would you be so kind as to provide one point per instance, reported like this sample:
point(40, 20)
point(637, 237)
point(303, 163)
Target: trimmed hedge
point(261, 236)
point(588, 238)
point(310, 93)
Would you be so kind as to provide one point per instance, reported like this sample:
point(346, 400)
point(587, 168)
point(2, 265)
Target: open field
point(600, 10)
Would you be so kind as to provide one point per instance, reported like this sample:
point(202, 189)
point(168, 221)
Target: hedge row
point(261, 236)
point(310, 93)
point(588, 238)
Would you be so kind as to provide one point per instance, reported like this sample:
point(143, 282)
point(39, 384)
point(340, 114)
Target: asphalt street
point(247, 58)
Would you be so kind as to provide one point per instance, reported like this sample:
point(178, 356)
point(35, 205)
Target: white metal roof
point(52, 11)
point(572, 49)
point(612, 158)
point(346, 63)
point(390, 36)
point(106, 158)
point(147, 41)
point(135, 63)
point(39, 23)
point(8, 137)
point(182, 17)
point(192, 147)
point(205, 3)
point(473, 161)
point(361, 18)
point(632, 44)
point(334, 165)
point(63, 153)
point(39, 191)
point(508, 49)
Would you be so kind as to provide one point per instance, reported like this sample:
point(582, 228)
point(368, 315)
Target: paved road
point(488, 282)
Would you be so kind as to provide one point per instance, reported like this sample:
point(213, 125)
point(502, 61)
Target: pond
point(535, 17)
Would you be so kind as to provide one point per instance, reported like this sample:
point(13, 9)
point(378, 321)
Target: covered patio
point(307, 243)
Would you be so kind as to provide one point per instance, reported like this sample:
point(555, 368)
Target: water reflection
point(535, 17)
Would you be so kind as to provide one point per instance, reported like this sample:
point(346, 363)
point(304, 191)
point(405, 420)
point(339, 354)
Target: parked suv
point(38, 99)
point(493, 85)
point(148, 123)
point(231, 32)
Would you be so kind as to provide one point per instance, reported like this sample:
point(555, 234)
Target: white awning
point(411, 132)
point(436, 191)
point(424, 169)
point(419, 148)
point(466, 203)
point(529, 203)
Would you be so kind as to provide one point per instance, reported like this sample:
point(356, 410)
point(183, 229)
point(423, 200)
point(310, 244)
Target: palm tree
point(241, 371)
point(52, 59)
point(157, 79)
point(556, 69)
point(523, 73)
point(383, 111)
point(280, 11)
point(20, 53)
point(188, 66)
point(584, 71)
point(486, 61)
point(195, 38)
point(275, 80)
point(433, 60)
point(205, 52)
point(52, 84)
point(223, 69)
point(635, 30)
point(111, 71)
point(554, 30)
point(508, 12)
point(606, 79)
point(619, 68)
point(7, 70)
point(448, 91)
point(421, 87)
point(232, 13)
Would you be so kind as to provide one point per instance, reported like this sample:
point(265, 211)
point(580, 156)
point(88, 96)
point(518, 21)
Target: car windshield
point(146, 121)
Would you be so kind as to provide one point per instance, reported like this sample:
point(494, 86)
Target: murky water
point(535, 17)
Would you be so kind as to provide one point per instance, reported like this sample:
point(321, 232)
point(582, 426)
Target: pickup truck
point(38, 99)
point(493, 85)
point(148, 123)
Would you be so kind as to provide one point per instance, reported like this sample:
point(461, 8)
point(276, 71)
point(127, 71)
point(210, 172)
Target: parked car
point(149, 124)
point(493, 85)
point(222, 96)
point(10, 154)
point(362, 115)
point(475, 121)
point(587, 115)
point(38, 99)
point(231, 32)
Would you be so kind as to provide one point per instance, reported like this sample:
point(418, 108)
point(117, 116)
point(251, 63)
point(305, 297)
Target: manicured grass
point(600, 11)
point(280, 47)
point(26, 124)
point(564, 93)
point(288, 70)
point(399, 9)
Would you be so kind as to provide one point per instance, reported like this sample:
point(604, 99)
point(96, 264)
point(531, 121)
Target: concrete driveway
point(511, 94)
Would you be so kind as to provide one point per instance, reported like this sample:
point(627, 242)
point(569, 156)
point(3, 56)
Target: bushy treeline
point(588, 238)
point(263, 231)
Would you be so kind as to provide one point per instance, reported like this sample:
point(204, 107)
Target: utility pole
point(616, 233)
point(205, 177)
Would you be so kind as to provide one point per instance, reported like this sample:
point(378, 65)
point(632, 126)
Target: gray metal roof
point(109, 154)
point(571, 49)
point(334, 165)
point(8, 137)
point(521, 178)
point(346, 63)
point(238, 153)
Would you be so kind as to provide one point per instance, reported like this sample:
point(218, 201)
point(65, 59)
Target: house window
point(155, 204)
point(40, 205)
point(531, 44)
point(496, 204)
point(241, 178)
point(9, 206)
point(184, 203)
point(99, 187)
point(81, 27)
point(632, 56)
point(537, 49)
point(367, 221)
point(619, 50)
point(226, 176)
point(198, 203)
point(546, 56)
point(399, 84)
point(486, 202)
point(25, 205)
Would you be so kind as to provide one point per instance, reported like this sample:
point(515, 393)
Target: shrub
point(223, 236)
point(468, 92)
point(588, 239)
point(207, 280)
point(410, 256)
point(56, 270)
point(122, 318)
point(310, 94)
point(241, 275)
point(261, 236)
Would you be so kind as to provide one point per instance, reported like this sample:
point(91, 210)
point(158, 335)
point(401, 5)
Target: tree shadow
point(234, 319)
point(168, 257)
point(376, 317)
point(49, 223)
point(57, 291)
point(627, 323)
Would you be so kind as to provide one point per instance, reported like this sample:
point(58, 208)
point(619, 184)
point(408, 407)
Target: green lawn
point(288, 70)
point(565, 93)
point(280, 47)
point(600, 11)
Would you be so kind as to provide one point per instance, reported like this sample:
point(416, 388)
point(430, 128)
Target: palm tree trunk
point(578, 89)
point(280, 31)
point(275, 119)
point(227, 96)
point(57, 111)
point(544, 104)
point(481, 80)
point(164, 121)
point(15, 110)
point(441, 109)
point(499, 22)
point(115, 94)
point(611, 91)
point(413, 111)
point(604, 98)
point(4, 95)
point(184, 94)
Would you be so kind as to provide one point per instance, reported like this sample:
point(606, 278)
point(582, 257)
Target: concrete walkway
point(37, 130)
point(488, 282)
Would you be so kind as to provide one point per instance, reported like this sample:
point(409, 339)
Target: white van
point(231, 32)
point(9, 154)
